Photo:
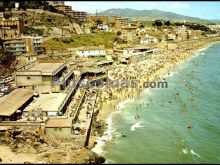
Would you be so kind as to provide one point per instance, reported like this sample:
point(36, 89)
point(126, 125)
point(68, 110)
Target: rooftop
point(93, 70)
point(46, 67)
point(59, 123)
point(19, 41)
point(14, 100)
point(48, 102)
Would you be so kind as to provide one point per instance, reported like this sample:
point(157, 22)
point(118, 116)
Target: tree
point(98, 22)
point(118, 33)
point(167, 23)
point(141, 26)
point(158, 23)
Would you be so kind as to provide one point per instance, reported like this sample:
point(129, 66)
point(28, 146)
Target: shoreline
point(114, 106)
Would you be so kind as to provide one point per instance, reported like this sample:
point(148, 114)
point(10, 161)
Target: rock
point(36, 144)
point(20, 145)
point(20, 139)
point(28, 141)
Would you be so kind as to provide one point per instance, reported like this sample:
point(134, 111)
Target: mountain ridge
point(152, 15)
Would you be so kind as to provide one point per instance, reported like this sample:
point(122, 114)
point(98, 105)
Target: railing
point(69, 93)
point(76, 112)
point(67, 76)
point(58, 69)
point(90, 124)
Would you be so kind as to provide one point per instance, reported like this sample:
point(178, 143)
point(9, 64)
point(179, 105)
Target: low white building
point(103, 27)
point(148, 39)
point(91, 51)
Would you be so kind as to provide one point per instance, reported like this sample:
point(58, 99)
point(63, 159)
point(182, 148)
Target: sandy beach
point(161, 64)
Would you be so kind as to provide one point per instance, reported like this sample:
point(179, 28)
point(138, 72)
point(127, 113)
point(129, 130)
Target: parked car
point(1, 95)
point(8, 79)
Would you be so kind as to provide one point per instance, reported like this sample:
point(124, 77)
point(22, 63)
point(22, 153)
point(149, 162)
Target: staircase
point(51, 140)
point(78, 28)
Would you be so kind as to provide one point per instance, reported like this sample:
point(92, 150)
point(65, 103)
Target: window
point(55, 129)
point(28, 78)
point(60, 129)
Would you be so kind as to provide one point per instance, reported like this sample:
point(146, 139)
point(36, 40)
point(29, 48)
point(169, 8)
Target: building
point(129, 33)
point(44, 77)
point(59, 127)
point(11, 28)
point(55, 3)
point(63, 8)
point(99, 18)
point(91, 51)
point(16, 46)
point(25, 45)
point(12, 105)
point(103, 27)
point(119, 22)
point(148, 39)
point(48, 105)
point(34, 44)
point(27, 58)
point(78, 15)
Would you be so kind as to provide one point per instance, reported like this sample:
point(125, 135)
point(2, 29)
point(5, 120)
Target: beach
point(161, 66)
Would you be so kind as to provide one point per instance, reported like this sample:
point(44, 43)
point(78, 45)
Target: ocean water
point(161, 134)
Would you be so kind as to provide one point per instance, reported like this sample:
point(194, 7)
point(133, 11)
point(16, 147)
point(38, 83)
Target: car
point(1, 95)
point(8, 79)
point(4, 89)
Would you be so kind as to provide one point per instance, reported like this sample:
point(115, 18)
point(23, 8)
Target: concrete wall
point(59, 132)
point(27, 80)
point(41, 83)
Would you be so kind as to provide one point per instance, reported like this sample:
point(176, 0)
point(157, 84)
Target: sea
point(177, 124)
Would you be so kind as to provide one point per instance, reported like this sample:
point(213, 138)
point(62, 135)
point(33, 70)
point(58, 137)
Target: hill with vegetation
point(64, 43)
point(151, 15)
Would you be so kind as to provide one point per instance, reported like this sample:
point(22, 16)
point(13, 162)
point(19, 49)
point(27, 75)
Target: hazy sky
point(203, 9)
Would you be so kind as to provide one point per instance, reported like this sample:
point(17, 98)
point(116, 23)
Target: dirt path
point(7, 156)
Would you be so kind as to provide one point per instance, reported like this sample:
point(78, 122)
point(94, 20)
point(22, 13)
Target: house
point(119, 22)
point(27, 58)
point(44, 77)
point(12, 105)
point(129, 32)
point(148, 39)
point(63, 8)
point(77, 15)
point(98, 18)
point(11, 27)
point(25, 45)
point(16, 46)
point(59, 127)
point(91, 51)
point(103, 27)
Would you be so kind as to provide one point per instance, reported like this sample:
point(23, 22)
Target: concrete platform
point(48, 103)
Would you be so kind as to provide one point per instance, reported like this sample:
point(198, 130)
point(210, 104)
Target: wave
point(107, 136)
point(136, 125)
point(193, 153)
point(185, 151)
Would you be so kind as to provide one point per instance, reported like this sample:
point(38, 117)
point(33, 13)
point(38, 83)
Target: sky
point(201, 9)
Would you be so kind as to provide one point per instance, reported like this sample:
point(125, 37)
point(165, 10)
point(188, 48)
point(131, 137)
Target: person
point(88, 114)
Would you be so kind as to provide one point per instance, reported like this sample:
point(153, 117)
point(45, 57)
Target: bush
point(118, 33)
point(31, 31)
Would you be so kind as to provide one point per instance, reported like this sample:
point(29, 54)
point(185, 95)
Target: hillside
point(57, 44)
point(150, 15)
point(47, 23)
